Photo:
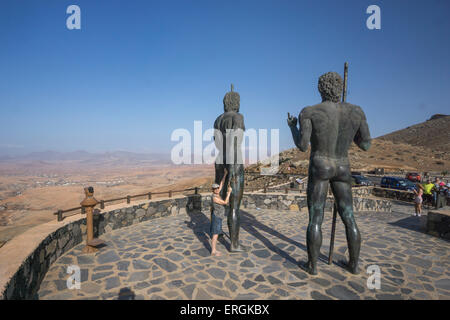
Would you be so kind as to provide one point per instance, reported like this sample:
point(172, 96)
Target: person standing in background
point(418, 200)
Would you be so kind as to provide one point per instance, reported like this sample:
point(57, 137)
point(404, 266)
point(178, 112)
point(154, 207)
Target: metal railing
point(128, 198)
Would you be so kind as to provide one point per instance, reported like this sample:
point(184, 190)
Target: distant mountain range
point(84, 157)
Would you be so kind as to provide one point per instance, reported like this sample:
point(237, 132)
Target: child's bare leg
point(214, 252)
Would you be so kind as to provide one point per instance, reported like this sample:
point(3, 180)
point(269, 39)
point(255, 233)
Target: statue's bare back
point(331, 128)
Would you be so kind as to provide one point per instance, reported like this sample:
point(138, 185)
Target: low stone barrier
point(25, 259)
point(438, 223)
point(402, 195)
point(282, 201)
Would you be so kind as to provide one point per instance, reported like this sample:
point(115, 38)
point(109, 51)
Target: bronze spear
point(333, 224)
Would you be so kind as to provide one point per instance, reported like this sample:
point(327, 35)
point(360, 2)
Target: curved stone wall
point(25, 260)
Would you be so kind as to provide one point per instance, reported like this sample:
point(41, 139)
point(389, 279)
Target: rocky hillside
point(432, 134)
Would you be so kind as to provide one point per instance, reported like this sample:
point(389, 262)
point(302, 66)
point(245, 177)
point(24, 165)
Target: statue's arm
point(301, 137)
point(362, 137)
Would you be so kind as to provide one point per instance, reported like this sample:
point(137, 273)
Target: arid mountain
point(432, 134)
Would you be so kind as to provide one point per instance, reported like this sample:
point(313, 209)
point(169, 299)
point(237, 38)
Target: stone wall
point(25, 278)
point(438, 223)
point(407, 196)
point(283, 201)
point(25, 282)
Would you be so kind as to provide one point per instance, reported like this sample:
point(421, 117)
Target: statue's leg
point(219, 172)
point(316, 195)
point(342, 191)
point(237, 184)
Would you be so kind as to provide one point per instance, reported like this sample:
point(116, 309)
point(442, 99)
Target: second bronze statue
point(229, 133)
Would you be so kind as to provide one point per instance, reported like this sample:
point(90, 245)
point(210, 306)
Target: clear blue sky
point(137, 70)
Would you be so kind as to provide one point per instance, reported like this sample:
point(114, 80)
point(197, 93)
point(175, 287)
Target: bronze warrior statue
point(330, 126)
point(229, 131)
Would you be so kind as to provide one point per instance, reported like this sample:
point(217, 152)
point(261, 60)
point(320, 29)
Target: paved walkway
point(168, 258)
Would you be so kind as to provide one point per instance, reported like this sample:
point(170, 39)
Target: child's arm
point(218, 200)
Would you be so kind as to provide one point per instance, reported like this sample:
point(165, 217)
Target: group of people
point(432, 193)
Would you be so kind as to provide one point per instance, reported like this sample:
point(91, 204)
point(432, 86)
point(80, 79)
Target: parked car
point(377, 171)
point(360, 180)
point(397, 183)
point(414, 177)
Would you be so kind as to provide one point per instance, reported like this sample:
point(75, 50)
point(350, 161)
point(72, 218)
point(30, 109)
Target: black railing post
point(60, 215)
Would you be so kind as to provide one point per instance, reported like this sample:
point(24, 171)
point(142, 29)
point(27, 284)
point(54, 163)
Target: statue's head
point(231, 101)
point(330, 86)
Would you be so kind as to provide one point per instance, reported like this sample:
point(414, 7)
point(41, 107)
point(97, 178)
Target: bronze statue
point(330, 126)
point(229, 131)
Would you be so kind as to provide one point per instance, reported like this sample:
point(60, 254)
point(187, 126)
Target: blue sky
point(137, 70)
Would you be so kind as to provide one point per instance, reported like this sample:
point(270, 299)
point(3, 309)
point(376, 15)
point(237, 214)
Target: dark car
point(361, 180)
point(413, 176)
point(397, 183)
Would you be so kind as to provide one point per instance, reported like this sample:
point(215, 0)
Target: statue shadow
point(126, 294)
point(200, 224)
point(250, 224)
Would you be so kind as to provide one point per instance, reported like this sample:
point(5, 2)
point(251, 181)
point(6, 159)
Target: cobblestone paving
point(168, 258)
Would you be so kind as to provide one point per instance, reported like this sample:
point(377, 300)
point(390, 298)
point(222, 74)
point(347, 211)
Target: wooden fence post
point(88, 204)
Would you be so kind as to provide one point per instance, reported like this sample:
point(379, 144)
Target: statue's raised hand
point(292, 121)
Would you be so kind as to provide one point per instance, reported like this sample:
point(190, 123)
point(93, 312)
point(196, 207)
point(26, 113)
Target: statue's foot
point(239, 248)
point(308, 267)
point(352, 267)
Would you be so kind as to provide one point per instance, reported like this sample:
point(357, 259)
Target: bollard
point(128, 199)
point(88, 204)
point(170, 194)
point(149, 196)
point(102, 204)
point(60, 215)
point(196, 190)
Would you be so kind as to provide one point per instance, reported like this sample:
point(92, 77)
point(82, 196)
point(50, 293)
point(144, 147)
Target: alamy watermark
point(74, 280)
point(374, 20)
point(227, 146)
point(74, 20)
point(374, 280)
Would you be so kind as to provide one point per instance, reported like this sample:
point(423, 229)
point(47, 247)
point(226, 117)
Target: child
point(418, 200)
point(217, 213)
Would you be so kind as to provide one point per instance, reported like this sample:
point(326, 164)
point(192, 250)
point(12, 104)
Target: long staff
point(333, 225)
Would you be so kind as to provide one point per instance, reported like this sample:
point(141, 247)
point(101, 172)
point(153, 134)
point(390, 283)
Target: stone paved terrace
point(168, 258)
